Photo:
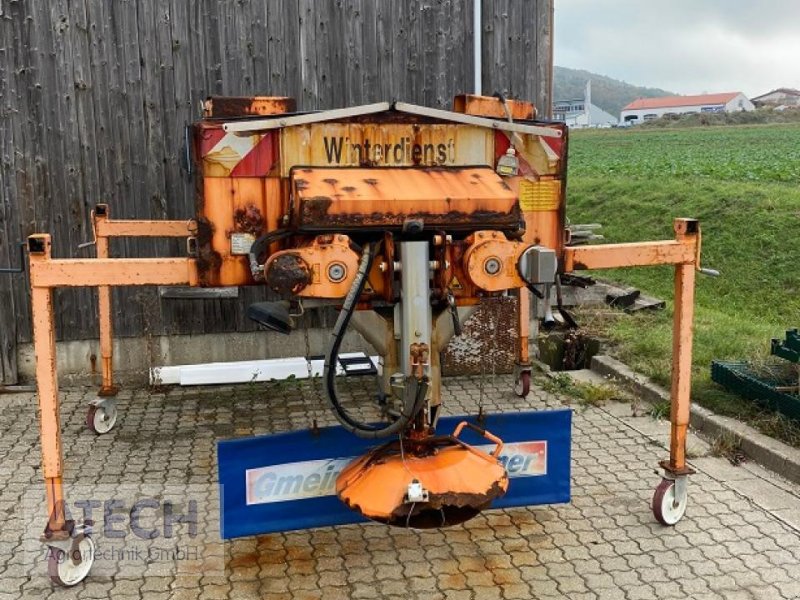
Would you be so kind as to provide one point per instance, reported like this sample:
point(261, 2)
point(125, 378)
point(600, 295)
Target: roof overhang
point(280, 121)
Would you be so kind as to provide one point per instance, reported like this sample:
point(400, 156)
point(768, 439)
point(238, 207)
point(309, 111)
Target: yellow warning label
point(455, 284)
point(538, 196)
point(368, 289)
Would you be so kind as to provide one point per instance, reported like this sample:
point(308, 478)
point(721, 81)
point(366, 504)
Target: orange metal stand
point(684, 253)
point(46, 274)
point(105, 228)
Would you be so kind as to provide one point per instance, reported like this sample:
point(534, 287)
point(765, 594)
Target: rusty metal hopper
point(455, 198)
point(459, 481)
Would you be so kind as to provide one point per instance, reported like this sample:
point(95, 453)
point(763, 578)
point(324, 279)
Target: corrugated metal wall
point(95, 96)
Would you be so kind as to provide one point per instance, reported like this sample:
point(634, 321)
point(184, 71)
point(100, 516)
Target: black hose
point(260, 245)
point(360, 429)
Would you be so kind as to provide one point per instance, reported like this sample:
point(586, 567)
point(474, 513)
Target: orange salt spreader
point(406, 217)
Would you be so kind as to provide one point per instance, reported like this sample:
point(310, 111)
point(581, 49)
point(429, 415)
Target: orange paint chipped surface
point(327, 198)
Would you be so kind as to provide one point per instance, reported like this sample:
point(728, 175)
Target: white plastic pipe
point(244, 371)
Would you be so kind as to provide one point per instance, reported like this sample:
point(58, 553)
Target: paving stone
point(739, 538)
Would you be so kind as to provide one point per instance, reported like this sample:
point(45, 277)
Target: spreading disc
point(458, 482)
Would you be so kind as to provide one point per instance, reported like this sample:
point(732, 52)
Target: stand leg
point(49, 419)
point(671, 497)
point(681, 366)
point(106, 329)
point(524, 326)
point(522, 370)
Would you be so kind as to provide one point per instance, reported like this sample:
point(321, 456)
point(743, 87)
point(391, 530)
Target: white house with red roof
point(647, 109)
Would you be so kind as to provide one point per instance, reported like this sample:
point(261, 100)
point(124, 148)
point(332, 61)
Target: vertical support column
point(523, 327)
point(416, 314)
point(681, 365)
point(688, 231)
point(44, 345)
point(106, 329)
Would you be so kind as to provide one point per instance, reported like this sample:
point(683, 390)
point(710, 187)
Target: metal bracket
point(70, 543)
point(101, 402)
point(520, 368)
point(670, 473)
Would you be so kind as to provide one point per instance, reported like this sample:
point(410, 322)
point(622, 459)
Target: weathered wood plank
point(96, 94)
point(9, 189)
point(370, 55)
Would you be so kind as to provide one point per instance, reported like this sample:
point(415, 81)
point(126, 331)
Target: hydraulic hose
point(412, 405)
point(259, 246)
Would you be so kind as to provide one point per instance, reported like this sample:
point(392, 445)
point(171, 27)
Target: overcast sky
point(685, 46)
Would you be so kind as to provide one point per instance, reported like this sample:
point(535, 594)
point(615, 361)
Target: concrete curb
point(768, 452)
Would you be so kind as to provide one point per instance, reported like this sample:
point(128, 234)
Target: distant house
point(579, 113)
point(782, 97)
point(647, 109)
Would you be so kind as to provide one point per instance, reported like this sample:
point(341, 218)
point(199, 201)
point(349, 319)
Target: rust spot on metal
point(348, 188)
point(208, 260)
point(579, 266)
point(391, 117)
point(300, 184)
point(315, 215)
point(240, 106)
point(371, 181)
point(316, 209)
point(443, 510)
point(490, 106)
point(331, 181)
point(287, 274)
point(248, 220)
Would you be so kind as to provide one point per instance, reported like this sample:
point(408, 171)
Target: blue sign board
point(287, 481)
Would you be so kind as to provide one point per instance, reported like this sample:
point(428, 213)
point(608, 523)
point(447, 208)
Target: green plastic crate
point(739, 378)
point(789, 348)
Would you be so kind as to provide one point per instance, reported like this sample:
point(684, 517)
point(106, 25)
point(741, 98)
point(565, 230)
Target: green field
point(743, 183)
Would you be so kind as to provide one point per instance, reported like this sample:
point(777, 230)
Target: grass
point(743, 183)
point(728, 445)
point(587, 394)
point(659, 410)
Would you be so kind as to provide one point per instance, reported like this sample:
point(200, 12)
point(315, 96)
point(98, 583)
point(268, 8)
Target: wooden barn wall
point(95, 96)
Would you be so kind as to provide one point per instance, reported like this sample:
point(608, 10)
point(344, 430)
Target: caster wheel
point(523, 385)
point(666, 508)
point(101, 418)
point(66, 570)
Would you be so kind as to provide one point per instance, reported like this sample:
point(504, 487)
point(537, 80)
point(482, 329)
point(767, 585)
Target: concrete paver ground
point(740, 537)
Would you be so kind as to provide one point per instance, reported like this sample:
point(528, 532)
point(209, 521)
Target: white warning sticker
point(241, 242)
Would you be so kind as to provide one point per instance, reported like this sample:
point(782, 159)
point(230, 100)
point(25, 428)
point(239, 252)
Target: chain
point(483, 371)
point(492, 306)
point(496, 325)
point(309, 365)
